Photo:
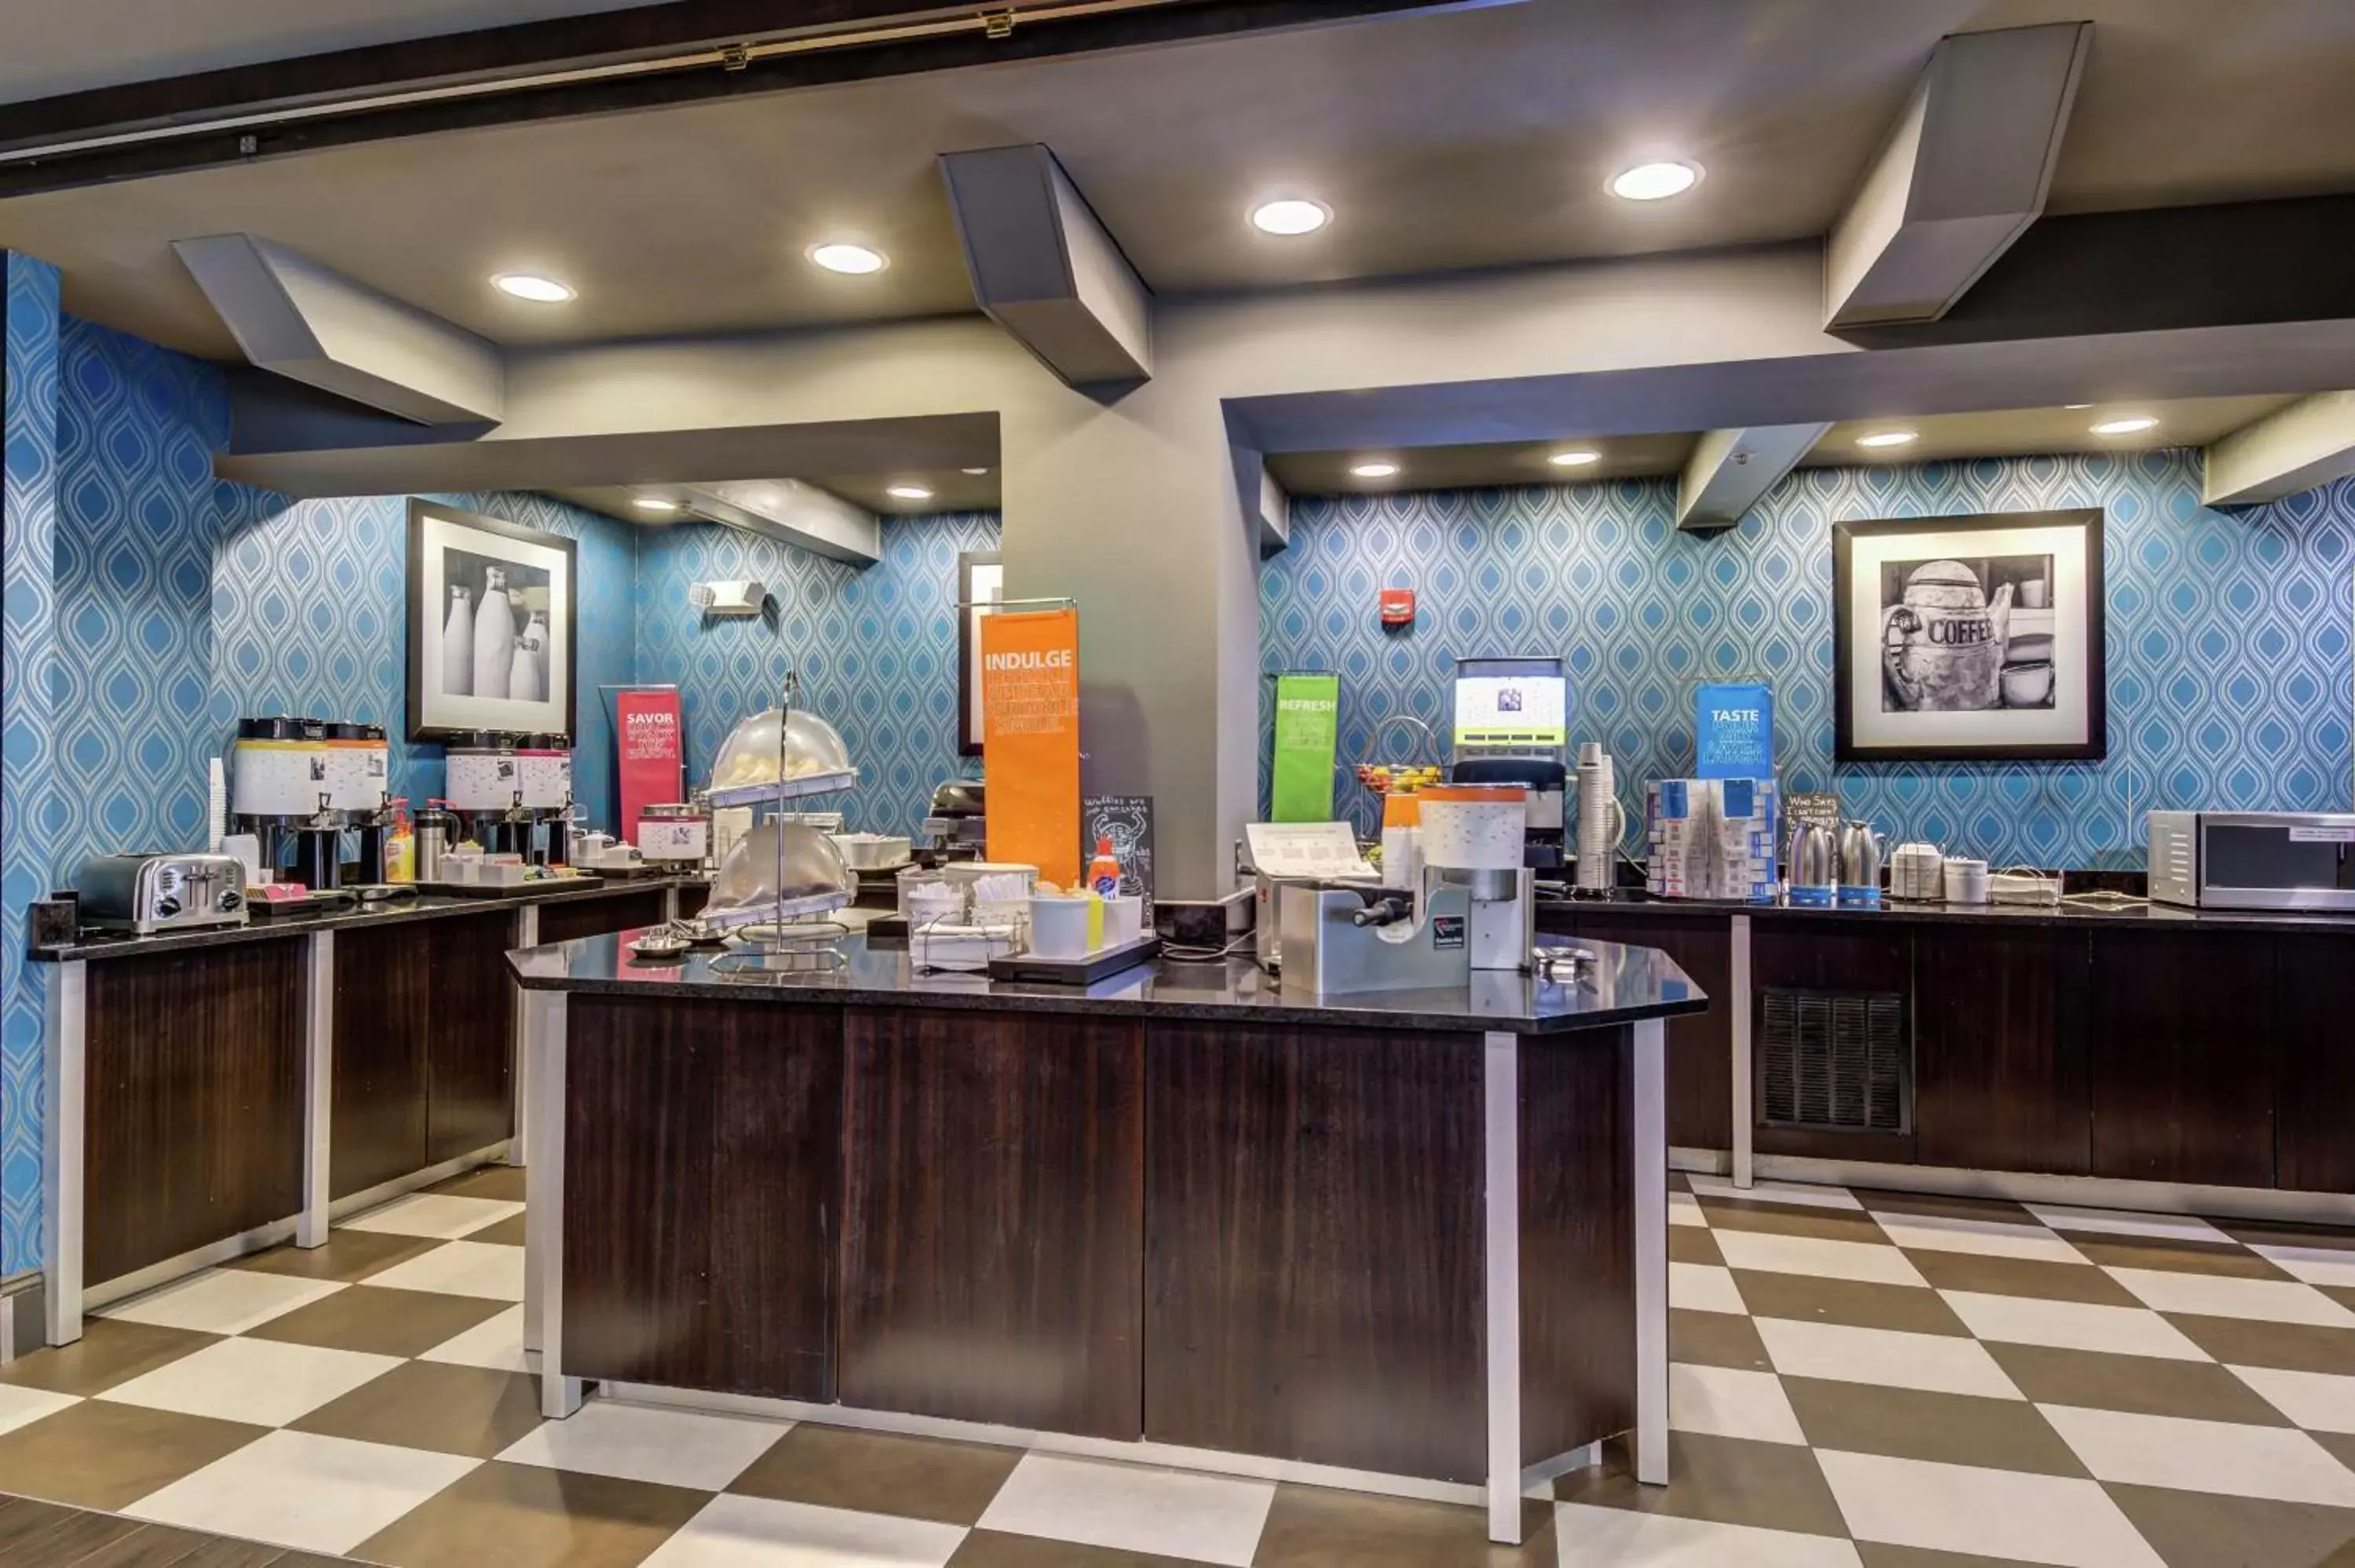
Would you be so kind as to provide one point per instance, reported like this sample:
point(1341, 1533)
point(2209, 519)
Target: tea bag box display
point(1711, 838)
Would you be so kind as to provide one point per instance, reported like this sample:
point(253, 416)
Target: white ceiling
point(1464, 139)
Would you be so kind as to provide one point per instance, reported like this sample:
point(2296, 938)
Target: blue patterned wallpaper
point(877, 649)
point(28, 485)
point(2228, 635)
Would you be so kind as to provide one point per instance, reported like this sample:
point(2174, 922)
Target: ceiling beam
point(644, 57)
point(2307, 444)
point(1045, 268)
point(792, 513)
point(1729, 470)
point(1963, 173)
point(311, 323)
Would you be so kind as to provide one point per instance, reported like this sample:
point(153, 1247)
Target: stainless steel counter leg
point(1649, 1135)
point(526, 935)
point(1502, 1076)
point(1745, 1116)
point(318, 1090)
point(559, 1396)
point(62, 1127)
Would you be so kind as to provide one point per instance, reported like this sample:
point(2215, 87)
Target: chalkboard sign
point(1127, 821)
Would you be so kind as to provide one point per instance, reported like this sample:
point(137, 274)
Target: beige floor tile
point(1871, 1263)
point(2318, 1401)
point(1703, 1287)
point(1210, 1518)
point(1684, 1209)
point(425, 1405)
point(2275, 1462)
point(2265, 1300)
point(2178, 1256)
point(441, 1216)
point(1716, 1339)
point(104, 1456)
point(317, 1494)
point(461, 1268)
point(1727, 1403)
point(2200, 1529)
point(2044, 1280)
point(1879, 1554)
point(1311, 1527)
point(2329, 1265)
point(2340, 1444)
point(1913, 1310)
point(1608, 1538)
point(2241, 1341)
point(879, 1472)
point(109, 1352)
point(220, 1301)
point(1883, 1358)
point(1788, 1194)
point(1912, 1424)
point(23, 1406)
point(254, 1380)
point(2002, 1211)
point(2072, 1325)
point(507, 1232)
point(758, 1533)
point(380, 1321)
point(347, 1256)
point(693, 1448)
point(521, 1516)
point(1785, 1220)
point(2058, 1520)
point(2284, 1233)
point(495, 1342)
point(991, 1549)
point(2148, 1385)
point(1719, 1481)
point(2006, 1239)
point(2121, 1223)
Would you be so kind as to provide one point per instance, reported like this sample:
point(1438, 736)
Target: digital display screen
point(1516, 703)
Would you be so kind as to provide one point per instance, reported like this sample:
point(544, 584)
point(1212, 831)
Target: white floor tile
point(2315, 1265)
point(2272, 1462)
point(2223, 1296)
point(222, 1301)
point(1868, 1261)
point(2072, 1326)
point(436, 1214)
point(460, 1269)
point(1703, 1287)
point(2319, 1401)
point(1620, 1538)
point(495, 1342)
point(2120, 1223)
point(1210, 1518)
point(1991, 1513)
point(1988, 1238)
point(291, 1489)
point(640, 1443)
point(1940, 1363)
point(255, 1381)
point(1684, 1209)
point(756, 1533)
point(1726, 1402)
point(1804, 1194)
point(23, 1406)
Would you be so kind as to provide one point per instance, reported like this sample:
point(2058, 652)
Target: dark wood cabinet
point(1699, 1045)
point(568, 919)
point(2314, 1031)
point(2182, 1053)
point(193, 1101)
point(470, 1040)
point(993, 1219)
point(1826, 953)
point(702, 1195)
point(1314, 1246)
point(2000, 1071)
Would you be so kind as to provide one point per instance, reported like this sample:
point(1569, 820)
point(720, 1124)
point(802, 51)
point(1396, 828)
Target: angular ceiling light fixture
point(1880, 440)
point(539, 288)
point(1656, 180)
point(1377, 469)
point(1291, 215)
point(908, 492)
point(841, 256)
point(1578, 457)
point(2131, 425)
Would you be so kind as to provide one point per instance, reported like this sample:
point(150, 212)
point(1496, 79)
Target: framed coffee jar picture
point(1969, 638)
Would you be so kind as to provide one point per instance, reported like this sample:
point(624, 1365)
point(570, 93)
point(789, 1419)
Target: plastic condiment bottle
point(1104, 872)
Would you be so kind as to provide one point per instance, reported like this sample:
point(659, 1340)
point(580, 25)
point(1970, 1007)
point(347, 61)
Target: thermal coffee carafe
point(1814, 861)
point(1861, 854)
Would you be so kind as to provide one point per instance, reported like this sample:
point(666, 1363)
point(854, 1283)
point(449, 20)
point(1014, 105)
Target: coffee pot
point(1861, 851)
point(1942, 646)
point(1815, 862)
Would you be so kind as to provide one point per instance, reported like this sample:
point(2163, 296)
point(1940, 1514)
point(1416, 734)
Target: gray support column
point(318, 1088)
point(526, 935)
point(61, 1150)
point(1649, 1133)
point(1501, 1070)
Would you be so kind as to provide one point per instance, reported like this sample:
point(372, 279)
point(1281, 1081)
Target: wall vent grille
point(1835, 1061)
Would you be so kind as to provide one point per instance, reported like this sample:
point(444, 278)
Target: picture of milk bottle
point(495, 636)
point(458, 645)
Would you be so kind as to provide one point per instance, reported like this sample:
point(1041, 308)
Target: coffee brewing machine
point(1512, 728)
point(484, 787)
point(544, 774)
point(1472, 910)
point(301, 785)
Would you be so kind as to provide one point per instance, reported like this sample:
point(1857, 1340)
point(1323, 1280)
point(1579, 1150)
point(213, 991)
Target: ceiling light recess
point(1376, 468)
point(1291, 215)
point(2128, 425)
point(1881, 440)
point(654, 503)
point(536, 287)
point(1656, 180)
point(843, 256)
point(909, 492)
point(1576, 457)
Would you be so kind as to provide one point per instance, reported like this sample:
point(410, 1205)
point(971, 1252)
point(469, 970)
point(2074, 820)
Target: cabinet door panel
point(384, 1013)
point(2314, 1134)
point(470, 1050)
point(1699, 1045)
point(2182, 1056)
point(1999, 1065)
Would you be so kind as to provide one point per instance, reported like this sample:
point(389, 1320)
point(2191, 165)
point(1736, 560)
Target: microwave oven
point(2253, 860)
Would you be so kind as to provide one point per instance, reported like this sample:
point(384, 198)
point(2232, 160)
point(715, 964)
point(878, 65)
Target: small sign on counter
point(1127, 821)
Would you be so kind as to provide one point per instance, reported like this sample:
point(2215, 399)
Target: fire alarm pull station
point(1398, 607)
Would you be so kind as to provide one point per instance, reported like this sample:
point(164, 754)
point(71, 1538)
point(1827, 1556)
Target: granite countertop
point(1626, 984)
point(2142, 917)
point(95, 946)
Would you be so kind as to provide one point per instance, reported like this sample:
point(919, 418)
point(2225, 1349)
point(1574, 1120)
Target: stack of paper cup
point(1598, 821)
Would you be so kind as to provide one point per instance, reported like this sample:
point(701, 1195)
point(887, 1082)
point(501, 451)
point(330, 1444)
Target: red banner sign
point(650, 745)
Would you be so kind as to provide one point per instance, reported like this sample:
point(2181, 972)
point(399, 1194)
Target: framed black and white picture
point(492, 625)
point(1973, 637)
point(981, 585)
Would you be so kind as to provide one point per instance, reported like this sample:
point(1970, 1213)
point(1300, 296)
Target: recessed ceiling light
point(1656, 180)
point(2132, 425)
point(1879, 439)
point(1291, 215)
point(1374, 469)
point(909, 492)
point(533, 286)
point(841, 256)
point(1578, 457)
point(974, 471)
point(652, 504)
point(2076, 404)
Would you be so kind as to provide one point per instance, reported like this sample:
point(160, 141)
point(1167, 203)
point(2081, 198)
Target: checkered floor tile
point(1865, 1380)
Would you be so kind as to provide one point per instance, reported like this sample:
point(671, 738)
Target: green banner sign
point(1308, 721)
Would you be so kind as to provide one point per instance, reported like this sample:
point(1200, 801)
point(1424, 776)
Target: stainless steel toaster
point(150, 893)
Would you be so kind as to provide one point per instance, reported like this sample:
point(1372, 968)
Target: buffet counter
point(2145, 1058)
point(1413, 1243)
point(213, 1091)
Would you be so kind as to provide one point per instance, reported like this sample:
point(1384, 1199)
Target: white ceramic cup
point(1058, 925)
point(1123, 920)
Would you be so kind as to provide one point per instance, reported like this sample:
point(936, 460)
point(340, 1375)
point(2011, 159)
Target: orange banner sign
point(1030, 711)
